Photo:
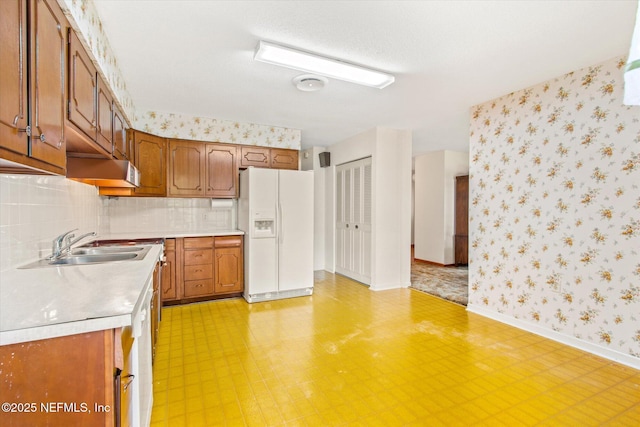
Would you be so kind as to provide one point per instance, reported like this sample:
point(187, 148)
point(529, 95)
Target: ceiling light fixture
point(312, 63)
point(309, 82)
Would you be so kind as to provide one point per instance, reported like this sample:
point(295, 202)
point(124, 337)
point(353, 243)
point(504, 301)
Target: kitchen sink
point(106, 250)
point(93, 255)
point(92, 259)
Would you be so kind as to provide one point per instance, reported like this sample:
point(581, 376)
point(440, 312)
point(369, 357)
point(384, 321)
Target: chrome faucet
point(58, 248)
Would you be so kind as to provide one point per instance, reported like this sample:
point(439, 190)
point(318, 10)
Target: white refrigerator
point(275, 210)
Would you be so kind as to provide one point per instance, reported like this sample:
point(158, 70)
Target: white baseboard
point(616, 356)
point(387, 286)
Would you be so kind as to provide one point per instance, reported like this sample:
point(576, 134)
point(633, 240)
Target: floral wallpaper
point(173, 125)
point(555, 208)
point(84, 18)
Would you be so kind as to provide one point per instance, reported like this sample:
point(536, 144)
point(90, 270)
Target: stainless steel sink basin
point(106, 250)
point(91, 259)
point(88, 256)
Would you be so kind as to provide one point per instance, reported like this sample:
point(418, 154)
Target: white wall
point(391, 234)
point(310, 160)
point(435, 204)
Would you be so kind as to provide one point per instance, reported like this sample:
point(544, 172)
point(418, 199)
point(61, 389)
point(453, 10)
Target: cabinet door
point(282, 158)
point(83, 86)
point(228, 265)
point(75, 369)
point(120, 145)
point(13, 78)
point(48, 54)
point(228, 270)
point(186, 168)
point(254, 156)
point(150, 159)
point(169, 271)
point(221, 171)
point(105, 115)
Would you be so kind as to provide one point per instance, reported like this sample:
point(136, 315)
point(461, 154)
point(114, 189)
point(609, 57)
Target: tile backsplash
point(147, 214)
point(36, 209)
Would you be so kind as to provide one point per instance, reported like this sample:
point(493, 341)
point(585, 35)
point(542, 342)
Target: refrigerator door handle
point(280, 221)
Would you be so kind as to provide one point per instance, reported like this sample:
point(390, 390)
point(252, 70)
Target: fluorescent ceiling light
point(311, 63)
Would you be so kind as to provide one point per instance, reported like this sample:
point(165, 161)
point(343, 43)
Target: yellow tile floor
point(350, 356)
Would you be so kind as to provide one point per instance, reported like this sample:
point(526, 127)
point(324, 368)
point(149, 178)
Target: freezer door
point(295, 236)
point(258, 201)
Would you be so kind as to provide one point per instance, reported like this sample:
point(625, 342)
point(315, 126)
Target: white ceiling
point(195, 58)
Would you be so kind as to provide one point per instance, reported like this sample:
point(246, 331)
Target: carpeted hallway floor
point(450, 283)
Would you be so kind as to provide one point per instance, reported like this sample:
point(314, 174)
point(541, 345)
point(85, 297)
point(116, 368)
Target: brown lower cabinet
point(169, 292)
point(202, 268)
point(64, 381)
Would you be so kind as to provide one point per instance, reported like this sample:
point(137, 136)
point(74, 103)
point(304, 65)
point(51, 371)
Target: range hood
point(103, 172)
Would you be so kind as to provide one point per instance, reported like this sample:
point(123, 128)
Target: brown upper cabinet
point(186, 168)
point(33, 40)
point(284, 159)
point(150, 154)
point(121, 146)
point(198, 169)
point(83, 86)
point(90, 113)
point(221, 171)
point(254, 156)
point(265, 157)
point(104, 129)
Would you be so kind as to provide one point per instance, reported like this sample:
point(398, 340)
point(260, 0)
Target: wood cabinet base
point(60, 381)
point(202, 268)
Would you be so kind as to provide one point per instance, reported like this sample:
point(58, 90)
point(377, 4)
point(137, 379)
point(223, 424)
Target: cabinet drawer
point(197, 288)
point(197, 272)
point(198, 256)
point(170, 245)
point(198, 242)
point(228, 241)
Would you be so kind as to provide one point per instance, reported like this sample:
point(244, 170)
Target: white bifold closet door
point(353, 220)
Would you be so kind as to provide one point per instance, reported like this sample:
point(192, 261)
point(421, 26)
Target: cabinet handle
point(15, 120)
point(347, 225)
point(356, 227)
point(129, 378)
point(198, 255)
point(42, 138)
point(198, 271)
point(199, 285)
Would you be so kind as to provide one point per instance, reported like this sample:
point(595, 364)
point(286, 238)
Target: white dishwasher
point(142, 382)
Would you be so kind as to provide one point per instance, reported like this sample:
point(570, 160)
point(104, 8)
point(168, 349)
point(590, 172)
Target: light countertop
point(48, 302)
point(167, 234)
